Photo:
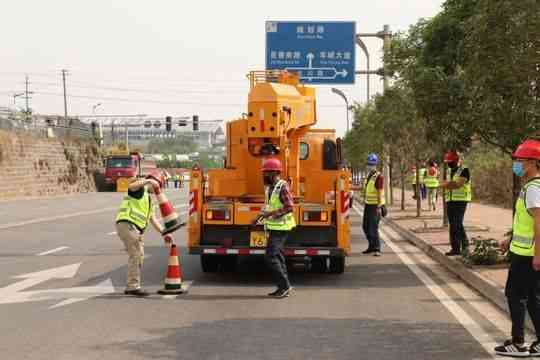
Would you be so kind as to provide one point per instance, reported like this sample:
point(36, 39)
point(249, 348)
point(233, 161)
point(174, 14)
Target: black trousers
point(523, 293)
point(275, 260)
point(458, 236)
point(370, 224)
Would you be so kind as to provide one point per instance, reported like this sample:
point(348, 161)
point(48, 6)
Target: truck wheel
point(337, 264)
point(228, 263)
point(318, 264)
point(209, 263)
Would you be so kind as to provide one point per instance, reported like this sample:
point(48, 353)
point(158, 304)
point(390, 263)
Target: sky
point(171, 57)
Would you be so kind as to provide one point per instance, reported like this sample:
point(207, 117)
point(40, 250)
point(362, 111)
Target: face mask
point(268, 179)
point(517, 168)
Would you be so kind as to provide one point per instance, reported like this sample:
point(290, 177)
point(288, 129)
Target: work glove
point(168, 240)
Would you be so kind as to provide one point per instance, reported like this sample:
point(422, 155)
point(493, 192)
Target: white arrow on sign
point(310, 58)
point(14, 293)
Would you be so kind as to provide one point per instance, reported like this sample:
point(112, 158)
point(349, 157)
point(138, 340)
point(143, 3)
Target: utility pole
point(386, 36)
point(64, 73)
point(27, 98)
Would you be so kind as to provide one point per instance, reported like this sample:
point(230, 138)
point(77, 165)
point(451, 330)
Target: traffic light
point(195, 122)
point(93, 124)
point(168, 123)
point(182, 122)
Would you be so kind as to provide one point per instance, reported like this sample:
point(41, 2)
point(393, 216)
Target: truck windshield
point(119, 163)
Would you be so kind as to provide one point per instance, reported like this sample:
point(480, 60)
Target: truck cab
point(121, 166)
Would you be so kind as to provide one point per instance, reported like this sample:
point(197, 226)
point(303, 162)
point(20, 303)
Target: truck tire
point(209, 263)
point(318, 264)
point(337, 264)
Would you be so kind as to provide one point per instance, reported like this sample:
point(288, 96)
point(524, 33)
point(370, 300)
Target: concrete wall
point(33, 166)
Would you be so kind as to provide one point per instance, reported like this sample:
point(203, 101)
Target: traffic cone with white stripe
point(169, 215)
point(173, 279)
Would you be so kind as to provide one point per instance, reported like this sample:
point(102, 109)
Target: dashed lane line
point(53, 250)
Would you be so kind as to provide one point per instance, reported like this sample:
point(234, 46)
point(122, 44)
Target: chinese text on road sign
point(320, 52)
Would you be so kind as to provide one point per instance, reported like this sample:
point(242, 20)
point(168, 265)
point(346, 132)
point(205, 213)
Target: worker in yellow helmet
point(523, 284)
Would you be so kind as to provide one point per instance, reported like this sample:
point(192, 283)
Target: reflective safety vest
point(283, 223)
point(432, 181)
point(371, 194)
point(463, 193)
point(523, 228)
point(136, 211)
point(421, 175)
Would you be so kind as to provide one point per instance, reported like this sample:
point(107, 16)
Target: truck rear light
point(218, 214)
point(324, 216)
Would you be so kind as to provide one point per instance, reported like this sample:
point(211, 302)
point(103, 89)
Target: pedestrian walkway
point(428, 233)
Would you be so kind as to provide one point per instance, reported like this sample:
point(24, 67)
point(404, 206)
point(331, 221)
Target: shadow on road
point(311, 338)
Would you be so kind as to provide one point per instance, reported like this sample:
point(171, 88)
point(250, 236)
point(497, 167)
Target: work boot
point(508, 348)
point(282, 293)
point(368, 251)
point(137, 292)
point(534, 349)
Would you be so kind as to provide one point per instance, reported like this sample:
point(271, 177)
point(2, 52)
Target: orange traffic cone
point(169, 215)
point(173, 280)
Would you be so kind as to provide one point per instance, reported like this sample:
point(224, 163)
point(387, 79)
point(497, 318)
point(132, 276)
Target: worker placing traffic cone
point(169, 215)
point(173, 279)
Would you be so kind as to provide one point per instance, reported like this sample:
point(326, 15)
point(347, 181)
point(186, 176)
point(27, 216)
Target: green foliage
point(179, 145)
point(484, 252)
point(470, 74)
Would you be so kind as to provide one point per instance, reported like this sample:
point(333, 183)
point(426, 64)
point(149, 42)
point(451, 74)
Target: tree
point(179, 145)
point(502, 72)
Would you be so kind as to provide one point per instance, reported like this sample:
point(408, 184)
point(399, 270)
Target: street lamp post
point(100, 124)
point(340, 93)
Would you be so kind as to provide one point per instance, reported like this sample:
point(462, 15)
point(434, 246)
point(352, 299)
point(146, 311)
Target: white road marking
point(54, 218)
point(450, 304)
point(53, 250)
point(112, 233)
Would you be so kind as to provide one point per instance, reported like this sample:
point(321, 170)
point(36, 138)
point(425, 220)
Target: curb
point(487, 288)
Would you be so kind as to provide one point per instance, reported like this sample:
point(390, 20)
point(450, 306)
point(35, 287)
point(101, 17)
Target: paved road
point(398, 305)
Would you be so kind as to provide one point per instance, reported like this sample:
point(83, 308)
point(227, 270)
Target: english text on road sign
point(319, 52)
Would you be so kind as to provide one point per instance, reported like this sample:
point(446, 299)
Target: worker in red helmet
point(134, 214)
point(458, 194)
point(278, 220)
point(523, 283)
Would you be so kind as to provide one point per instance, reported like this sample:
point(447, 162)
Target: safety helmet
point(271, 164)
point(529, 149)
point(372, 159)
point(156, 175)
point(451, 156)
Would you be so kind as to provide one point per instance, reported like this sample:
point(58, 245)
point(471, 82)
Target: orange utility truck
point(224, 202)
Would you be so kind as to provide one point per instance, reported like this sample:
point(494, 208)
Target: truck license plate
point(257, 239)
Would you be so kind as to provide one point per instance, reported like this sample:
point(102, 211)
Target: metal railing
point(45, 126)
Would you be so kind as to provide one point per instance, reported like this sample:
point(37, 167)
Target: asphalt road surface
point(69, 304)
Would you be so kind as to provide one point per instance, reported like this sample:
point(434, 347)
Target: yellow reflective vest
point(136, 211)
point(523, 228)
point(283, 223)
point(371, 194)
point(431, 181)
point(463, 193)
